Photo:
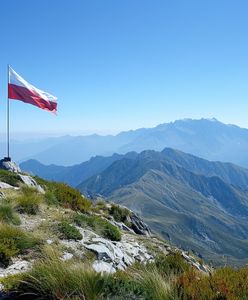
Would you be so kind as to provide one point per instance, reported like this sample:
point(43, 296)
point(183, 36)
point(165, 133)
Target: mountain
point(206, 138)
point(200, 205)
point(72, 175)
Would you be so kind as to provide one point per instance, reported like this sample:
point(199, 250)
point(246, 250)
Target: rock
point(17, 267)
point(102, 251)
point(67, 256)
point(4, 185)
point(29, 181)
point(103, 267)
point(138, 225)
point(7, 164)
point(49, 242)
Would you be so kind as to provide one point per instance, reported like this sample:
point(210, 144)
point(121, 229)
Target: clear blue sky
point(116, 65)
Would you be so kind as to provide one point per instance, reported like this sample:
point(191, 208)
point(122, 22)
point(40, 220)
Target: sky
point(117, 65)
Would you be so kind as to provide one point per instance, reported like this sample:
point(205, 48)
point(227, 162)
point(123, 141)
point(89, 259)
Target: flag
point(20, 89)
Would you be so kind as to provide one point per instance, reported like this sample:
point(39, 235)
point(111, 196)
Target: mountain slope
point(209, 139)
point(181, 196)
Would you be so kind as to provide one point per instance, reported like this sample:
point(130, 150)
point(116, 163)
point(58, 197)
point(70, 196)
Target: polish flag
point(20, 89)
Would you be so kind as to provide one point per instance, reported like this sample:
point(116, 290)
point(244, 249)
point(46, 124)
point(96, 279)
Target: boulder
point(8, 165)
point(138, 225)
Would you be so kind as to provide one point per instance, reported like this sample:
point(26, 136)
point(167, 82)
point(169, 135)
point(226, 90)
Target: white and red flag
point(20, 89)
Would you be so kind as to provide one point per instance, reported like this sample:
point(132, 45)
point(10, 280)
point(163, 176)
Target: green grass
point(51, 278)
point(68, 231)
point(10, 178)
point(8, 214)
point(14, 241)
point(120, 214)
point(29, 201)
point(99, 225)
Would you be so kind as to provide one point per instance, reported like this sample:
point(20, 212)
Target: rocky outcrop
point(138, 225)
point(8, 165)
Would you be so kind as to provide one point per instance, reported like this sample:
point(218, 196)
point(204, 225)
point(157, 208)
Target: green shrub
point(51, 278)
point(29, 201)
point(8, 215)
point(50, 198)
point(10, 178)
point(120, 214)
point(99, 225)
point(171, 264)
point(68, 231)
point(14, 241)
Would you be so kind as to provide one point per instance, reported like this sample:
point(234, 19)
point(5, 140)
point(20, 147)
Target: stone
point(138, 225)
point(67, 256)
point(29, 181)
point(17, 267)
point(103, 267)
point(8, 165)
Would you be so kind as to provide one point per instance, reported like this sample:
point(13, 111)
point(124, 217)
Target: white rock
point(67, 256)
point(17, 267)
point(103, 267)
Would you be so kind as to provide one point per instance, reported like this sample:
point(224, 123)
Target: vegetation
point(10, 178)
point(50, 278)
point(119, 213)
point(99, 225)
point(29, 201)
point(14, 241)
point(68, 231)
point(7, 214)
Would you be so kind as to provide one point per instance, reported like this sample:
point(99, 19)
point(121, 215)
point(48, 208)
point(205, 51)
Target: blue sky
point(117, 65)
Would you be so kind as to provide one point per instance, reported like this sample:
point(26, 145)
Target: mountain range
point(206, 138)
point(197, 204)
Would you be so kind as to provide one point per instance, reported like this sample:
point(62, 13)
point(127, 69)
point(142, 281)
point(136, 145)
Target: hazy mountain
point(75, 174)
point(209, 139)
point(201, 205)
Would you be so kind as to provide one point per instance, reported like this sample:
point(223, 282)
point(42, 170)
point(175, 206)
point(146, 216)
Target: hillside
point(206, 138)
point(56, 244)
point(198, 204)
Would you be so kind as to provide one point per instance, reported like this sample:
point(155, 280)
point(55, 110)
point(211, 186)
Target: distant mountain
point(72, 175)
point(200, 205)
point(206, 138)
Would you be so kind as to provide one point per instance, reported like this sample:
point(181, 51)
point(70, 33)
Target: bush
point(50, 198)
point(68, 197)
point(68, 231)
point(120, 214)
point(14, 241)
point(171, 264)
point(8, 215)
point(100, 226)
point(29, 201)
point(10, 178)
point(51, 278)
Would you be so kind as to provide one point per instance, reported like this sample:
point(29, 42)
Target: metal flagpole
point(8, 157)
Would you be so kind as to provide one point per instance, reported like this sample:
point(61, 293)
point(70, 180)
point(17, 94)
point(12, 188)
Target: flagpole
point(8, 157)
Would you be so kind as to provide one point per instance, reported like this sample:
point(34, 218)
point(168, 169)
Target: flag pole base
point(7, 158)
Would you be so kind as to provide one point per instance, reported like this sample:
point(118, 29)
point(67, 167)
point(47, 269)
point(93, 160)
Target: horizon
point(31, 136)
point(119, 66)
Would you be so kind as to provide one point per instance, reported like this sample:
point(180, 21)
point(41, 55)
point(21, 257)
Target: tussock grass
point(29, 201)
point(14, 241)
point(10, 178)
point(51, 278)
point(8, 214)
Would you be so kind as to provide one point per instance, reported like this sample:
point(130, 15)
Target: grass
point(99, 225)
point(50, 278)
point(8, 214)
point(68, 231)
point(14, 241)
point(29, 201)
point(120, 214)
point(10, 178)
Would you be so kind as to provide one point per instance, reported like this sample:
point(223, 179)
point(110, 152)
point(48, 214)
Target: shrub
point(8, 215)
point(100, 226)
point(50, 198)
point(68, 231)
point(14, 241)
point(69, 197)
point(29, 201)
point(51, 278)
point(120, 214)
point(10, 178)
point(171, 264)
